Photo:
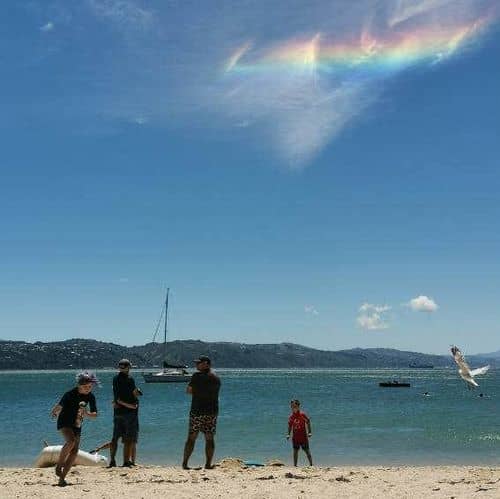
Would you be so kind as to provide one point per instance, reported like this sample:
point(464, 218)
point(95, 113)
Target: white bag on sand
point(50, 454)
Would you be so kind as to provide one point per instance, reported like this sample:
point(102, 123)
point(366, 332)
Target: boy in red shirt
point(297, 423)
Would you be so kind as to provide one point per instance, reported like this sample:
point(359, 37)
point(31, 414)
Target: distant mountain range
point(492, 355)
point(82, 353)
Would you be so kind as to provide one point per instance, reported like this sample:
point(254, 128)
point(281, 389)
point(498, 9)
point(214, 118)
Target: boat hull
point(165, 378)
point(394, 385)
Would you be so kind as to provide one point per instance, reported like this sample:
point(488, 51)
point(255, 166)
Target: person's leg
point(71, 458)
point(113, 447)
point(133, 452)
point(117, 434)
point(129, 437)
point(188, 448)
point(295, 455)
point(209, 450)
point(69, 442)
point(127, 450)
point(308, 454)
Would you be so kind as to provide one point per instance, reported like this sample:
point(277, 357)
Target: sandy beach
point(230, 478)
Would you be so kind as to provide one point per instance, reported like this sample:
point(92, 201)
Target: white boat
point(50, 455)
point(170, 373)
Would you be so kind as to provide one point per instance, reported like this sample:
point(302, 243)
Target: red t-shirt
point(298, 421)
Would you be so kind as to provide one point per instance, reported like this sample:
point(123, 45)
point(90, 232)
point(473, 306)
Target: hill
point(83, 353)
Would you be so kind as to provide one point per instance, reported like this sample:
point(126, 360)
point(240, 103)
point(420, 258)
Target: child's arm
point(54, 412)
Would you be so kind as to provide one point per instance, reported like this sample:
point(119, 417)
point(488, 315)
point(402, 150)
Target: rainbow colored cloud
point(305, 89)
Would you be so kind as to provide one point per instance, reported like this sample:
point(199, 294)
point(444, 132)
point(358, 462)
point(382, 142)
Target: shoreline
point(232, 478)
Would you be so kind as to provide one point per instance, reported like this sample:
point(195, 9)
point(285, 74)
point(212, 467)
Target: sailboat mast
point(165, 331)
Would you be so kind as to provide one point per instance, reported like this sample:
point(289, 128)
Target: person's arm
point(309, 427)
point(189, 388)
point(58, 407)
point(54, 412)
point(115, 389)
point(289, 428)
point(92, 413)
point(126, 404)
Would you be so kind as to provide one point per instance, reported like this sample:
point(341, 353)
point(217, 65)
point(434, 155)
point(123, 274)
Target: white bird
point(465, 372)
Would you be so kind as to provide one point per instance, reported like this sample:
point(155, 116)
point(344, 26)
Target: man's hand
point(288, 437)
point(309, 435)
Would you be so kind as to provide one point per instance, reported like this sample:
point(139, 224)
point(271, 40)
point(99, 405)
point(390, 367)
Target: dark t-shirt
point(123, 389)
point(205, 386)
point(70, 403)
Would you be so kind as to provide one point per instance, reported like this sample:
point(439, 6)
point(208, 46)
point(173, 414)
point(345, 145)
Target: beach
point(231, 478)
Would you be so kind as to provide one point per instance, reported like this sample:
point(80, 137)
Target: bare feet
point(62, 482)
point(209, 466)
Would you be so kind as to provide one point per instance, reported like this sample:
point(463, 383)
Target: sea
point(354, 421)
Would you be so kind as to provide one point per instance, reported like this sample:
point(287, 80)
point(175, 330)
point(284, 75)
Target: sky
point(317, 172)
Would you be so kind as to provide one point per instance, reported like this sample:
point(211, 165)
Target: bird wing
point(460, 361)
point(479, 370)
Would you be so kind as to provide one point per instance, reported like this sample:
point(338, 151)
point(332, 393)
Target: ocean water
point(354, 421)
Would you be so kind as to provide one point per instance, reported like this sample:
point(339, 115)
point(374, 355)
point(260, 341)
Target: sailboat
point(170, 373)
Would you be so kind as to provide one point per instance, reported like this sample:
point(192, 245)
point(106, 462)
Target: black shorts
point(304, 445)
point(126, 426)
point(76, 430)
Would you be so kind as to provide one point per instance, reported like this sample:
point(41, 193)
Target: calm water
point(354, 421)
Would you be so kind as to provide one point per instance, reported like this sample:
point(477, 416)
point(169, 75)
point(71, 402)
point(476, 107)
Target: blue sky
point(332, 207)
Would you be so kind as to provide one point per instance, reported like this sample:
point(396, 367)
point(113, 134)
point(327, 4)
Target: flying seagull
point(464, 370)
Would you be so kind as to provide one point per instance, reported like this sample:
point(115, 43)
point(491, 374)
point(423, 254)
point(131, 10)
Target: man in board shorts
point(204, 388)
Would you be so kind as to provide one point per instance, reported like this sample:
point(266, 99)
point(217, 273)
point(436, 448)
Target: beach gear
point(50, 455)
point(253, 463)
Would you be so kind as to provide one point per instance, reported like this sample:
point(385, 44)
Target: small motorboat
point(394, 384)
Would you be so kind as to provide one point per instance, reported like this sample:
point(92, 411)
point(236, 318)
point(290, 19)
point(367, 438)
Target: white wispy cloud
point(126, 13)
point(369, 307)
point(310, 309)
point(422, 303)
point(372, 322)
point(47, 27)
point(403, 10)
point(373, 317)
